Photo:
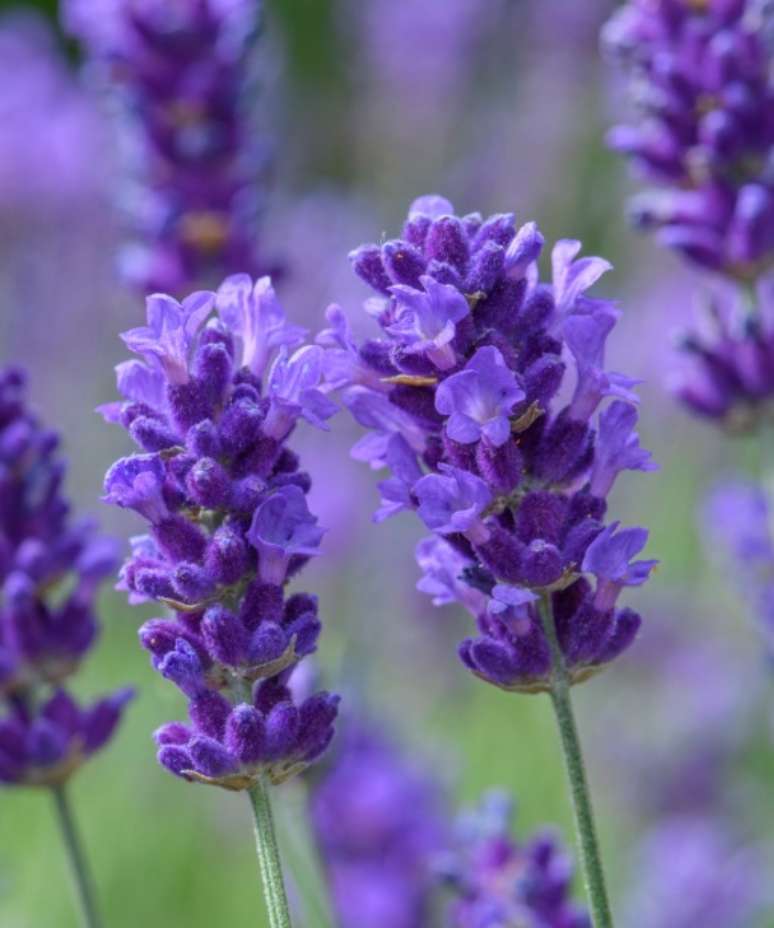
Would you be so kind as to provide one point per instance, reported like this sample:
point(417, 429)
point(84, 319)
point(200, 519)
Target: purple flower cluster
point(182, 70)
point(211, 404)
point(728, 371)
point(701, 81)
point(484, 399)
point(50, 570)
point(500, 882)
point(738, 523)
point(379, 823)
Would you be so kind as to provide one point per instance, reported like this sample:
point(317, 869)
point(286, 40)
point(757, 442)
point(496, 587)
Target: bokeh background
point(498, 105)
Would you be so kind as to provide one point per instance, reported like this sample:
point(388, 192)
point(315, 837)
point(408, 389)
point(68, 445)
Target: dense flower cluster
point(738, 524)
point(465, 399)
point(500, 882)
point(50, 571)
point(728, 371)
point(182, 71)
point(701, 80)
point(379, 823)
point(211, 405)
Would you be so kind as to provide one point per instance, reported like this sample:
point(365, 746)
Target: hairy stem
point(591, 859)
point(269, 857)
point(79, 870)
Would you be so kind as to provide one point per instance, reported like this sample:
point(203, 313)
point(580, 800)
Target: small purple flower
point(609, 558)
point(479, 399)
point(282, 526)
point(618, 448)
point(137, 483)
point(442, 569)
point(425, 319)
point(293, 391)
point(255, 314)
point(453, 501)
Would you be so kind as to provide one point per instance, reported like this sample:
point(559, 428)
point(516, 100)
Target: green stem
point(269, 857)
point(78, 867)
point(591, 859)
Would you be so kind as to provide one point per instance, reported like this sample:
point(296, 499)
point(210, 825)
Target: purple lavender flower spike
point(701, 82)
point(229, 527)
point(479, 399)
point(180, 75)
point(498, 881)
point(510, 477)
point(51, 569)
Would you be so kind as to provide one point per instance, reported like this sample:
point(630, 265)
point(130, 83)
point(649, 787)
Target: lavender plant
point(180, 73)
point(211, 403)
point(51, 568)
point(462, 399)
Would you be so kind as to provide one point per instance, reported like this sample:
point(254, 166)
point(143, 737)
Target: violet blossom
point(51, 569)
point(229, 528)
point(700, 75)
point(181, 76)
point(485, 440)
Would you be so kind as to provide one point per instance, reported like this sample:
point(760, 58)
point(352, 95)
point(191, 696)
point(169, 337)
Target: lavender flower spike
point(181, 75)
point(229, 526)
point(510, 477)
point(51, 568)
point(701, 79)
point(482, 446)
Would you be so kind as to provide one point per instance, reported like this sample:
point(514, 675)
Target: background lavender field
point(501, 104)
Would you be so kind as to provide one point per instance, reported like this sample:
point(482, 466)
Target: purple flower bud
point(224, 636)
point(209, 757)
point(245, 734)
point(282, 724)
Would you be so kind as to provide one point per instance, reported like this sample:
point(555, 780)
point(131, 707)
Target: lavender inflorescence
point(181, 72)
point(211, 404)
point(701, 82)
point(51, 568)
point(498, 881)
point(463, 401)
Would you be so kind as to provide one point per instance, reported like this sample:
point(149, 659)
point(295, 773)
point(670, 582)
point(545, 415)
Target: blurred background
point(499, 105)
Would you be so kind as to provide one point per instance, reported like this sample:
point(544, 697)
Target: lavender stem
point(79, 869)
point(269, 857)
point(591, 858)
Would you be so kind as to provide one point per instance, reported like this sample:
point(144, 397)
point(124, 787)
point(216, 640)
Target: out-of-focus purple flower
point(691, 871)
point(51, 568)
point(701, 79)
point(737, 518)
point(485, 445)
point(181, 75)
point(379, 822)
point(728, 360)
point(498, 881)
point(229, 525)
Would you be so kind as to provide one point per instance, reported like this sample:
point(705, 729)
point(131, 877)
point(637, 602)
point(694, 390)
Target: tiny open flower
point(230, 525)
point(609, 558)
point(406, 472)
point(618, 448)
point(479, 399)
point(136, 483)
point(170, 332)
point(254, 313)
point(453, 501)
point(426, 319)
